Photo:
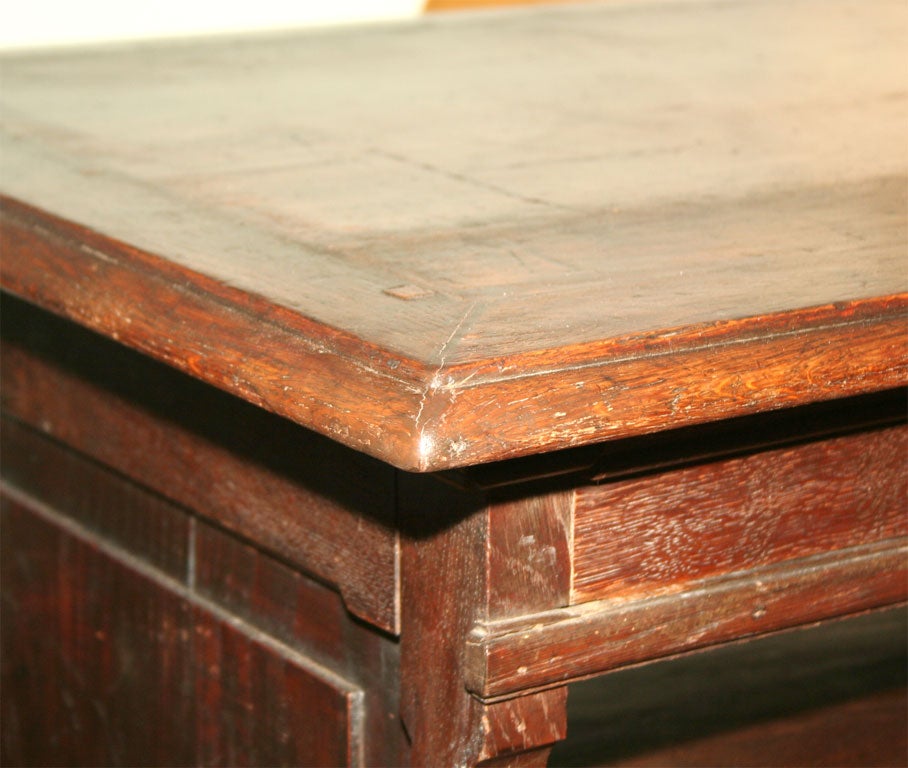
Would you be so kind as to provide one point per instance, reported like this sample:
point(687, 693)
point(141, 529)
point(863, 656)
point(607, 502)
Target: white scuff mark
point(426, 443)
point(97, 254)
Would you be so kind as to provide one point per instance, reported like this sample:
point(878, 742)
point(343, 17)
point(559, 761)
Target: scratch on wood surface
point(469, 180)
point(602, 362)
point(426, 441)
point(97, 254)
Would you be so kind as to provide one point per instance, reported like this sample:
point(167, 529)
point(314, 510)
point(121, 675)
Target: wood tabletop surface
point(483, 235)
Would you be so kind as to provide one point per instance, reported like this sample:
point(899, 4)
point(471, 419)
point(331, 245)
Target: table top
point(483, 235)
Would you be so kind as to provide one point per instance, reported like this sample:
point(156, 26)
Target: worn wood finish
point(312, 619)
point(645, 248)
point(506, 658)
point(530, 552)
point(311, 501)
point(273, 364)
point(263, 594)
point(428, 243)
point(656, 533)
point(150, 528)
point(685, 446)
point(109, 663)
point(445, 550)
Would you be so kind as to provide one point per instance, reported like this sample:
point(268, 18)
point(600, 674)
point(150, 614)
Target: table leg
point(452, 555)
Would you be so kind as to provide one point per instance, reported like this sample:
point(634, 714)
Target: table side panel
point(324, 508)
point(460, 560)
point(215, 567)
point(655, 534)
point(537, 651)
point(107, 661)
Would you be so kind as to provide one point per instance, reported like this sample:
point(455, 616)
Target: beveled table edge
point(421, 416)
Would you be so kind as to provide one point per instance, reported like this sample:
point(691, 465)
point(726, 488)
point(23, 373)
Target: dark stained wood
point(828, 695)
point(149, 527)
point(256, 706)
point(262, 477)
point(312, 619)
point(427, 247)
point(656, 533)
point(530, 552)
point(644, 249)
point(531, 759)
point(685, 446)
point(221, 570)
point(863, 733)
point(106, 664)
point(287, 370)
point(447, 578)
point(505, 658)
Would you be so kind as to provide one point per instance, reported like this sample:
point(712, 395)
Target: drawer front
point(660, 532)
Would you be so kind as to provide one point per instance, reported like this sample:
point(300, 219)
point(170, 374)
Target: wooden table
point(362, 388)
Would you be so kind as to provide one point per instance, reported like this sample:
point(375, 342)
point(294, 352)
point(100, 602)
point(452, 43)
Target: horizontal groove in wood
point(658, 532)
point(212, 563)
point(696, 444)
point(321, 507)
point(428, 415)
point(316, 376)
point(536, 651)
point(143, 666)
point(147, 526)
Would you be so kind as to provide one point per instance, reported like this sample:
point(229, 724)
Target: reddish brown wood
point(830, 694)
point(685, 446)
point(531, 652)
point(391, 273)
point(209, 452)
point(292, 370)
point(656, 533)
point(625, 260)
point(447, 573)
point(422, 418)
point(243, 582)
point(530, 552)
point(149, 527)
point(108, 664)
point(312, 619)
point(531, 759)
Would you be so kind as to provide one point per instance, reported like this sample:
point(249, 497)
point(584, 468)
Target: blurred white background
point(38, 23)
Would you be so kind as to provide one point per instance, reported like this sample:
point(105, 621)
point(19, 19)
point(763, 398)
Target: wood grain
point(312, 619)
point(261, 592)
point(449, 565)
point(108, 663)
point(262, 477)
point(655, 533)
point(685, 446)
point(646, 249)
point(148, 526)
point(531, 552)
point(545, 649)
